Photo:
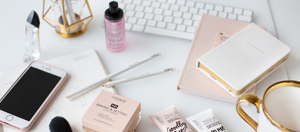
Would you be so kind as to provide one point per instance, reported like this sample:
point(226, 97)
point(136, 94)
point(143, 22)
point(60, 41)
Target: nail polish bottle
point(114, 28)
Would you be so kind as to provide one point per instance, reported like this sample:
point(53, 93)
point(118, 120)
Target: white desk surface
point(158, 92)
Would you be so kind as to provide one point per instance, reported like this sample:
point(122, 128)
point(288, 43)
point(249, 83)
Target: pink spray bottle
point(114, 28)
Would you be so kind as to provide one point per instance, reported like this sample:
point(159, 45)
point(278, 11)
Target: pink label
point(221, 37)
point(115, 35)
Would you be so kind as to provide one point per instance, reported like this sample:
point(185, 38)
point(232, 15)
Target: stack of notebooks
point(218, 69)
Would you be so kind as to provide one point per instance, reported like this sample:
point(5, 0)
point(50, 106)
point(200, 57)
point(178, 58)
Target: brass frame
point(65, 26)
point(256, 102)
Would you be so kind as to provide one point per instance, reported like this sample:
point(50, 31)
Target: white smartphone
point(29, 95)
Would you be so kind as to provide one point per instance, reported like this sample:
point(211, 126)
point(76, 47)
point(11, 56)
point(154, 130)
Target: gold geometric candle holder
point(70, 18)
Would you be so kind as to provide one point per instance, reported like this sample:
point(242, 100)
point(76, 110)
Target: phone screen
point(28, 94)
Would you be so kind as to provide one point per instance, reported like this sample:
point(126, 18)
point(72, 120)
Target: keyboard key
point(174, 7)
point(247, 13)
point(219, 8)
point(238, 11)
point(158, 11)
point(177, 14)
point(165, 6)
point(184, 9)
point(193, 10)
point(228, 9)
point(168, 19)
point(190, 3)
point(171, 26)
point(122, 5)
point(127, 1)
point(200, 5)
point(187, 22)
point(149, 16)
point(141, 22)
point(129, 13)
point(162, 1)
point(139, 15)
point(155, 4)
point(139, 28)
point(137, 2)
point(196, 23)
point(132, 20)
point(168, 13)
point(187, 15)
point(171, 1)
point(148, 10)
point(191, 29)
point(128, 26)
point(213, 13)
point(129, 7)
point(178, 20)
point(196, 17)
point(146, 3)
point(232, 16)
point(171, 33)
point(181, 28)
point(180, 2)
point(161, 24)
point(244, 18)
point(203, 11)
point(139, 8)
point(151, 23)
point(222, 14)
point(209, 6)
point(158, 17)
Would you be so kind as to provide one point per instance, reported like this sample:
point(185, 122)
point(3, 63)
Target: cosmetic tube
point(206, 121)
point(169, 120)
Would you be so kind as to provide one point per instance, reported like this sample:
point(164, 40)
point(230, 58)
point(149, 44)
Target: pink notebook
point(211, 32)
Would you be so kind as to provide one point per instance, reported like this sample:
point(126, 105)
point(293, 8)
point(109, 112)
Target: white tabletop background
point(158, 92)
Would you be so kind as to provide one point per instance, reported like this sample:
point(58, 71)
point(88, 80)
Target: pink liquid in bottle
point(114, 28)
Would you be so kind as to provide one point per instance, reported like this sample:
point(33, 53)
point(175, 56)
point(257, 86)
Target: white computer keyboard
point(175, 18)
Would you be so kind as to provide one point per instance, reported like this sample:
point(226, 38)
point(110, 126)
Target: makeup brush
point(59, 124)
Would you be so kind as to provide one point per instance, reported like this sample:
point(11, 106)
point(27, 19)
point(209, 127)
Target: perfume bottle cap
point(113, 12)
point(113, 7)
point(33, 19)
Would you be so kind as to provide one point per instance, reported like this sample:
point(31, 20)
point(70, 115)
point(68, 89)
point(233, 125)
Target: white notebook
point(244, 59)
point(83, 68)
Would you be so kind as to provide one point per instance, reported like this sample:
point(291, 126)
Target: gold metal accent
point(213, 75)
point(68, 31)
point(256, 101)
point(38, 40)
point(253, 100)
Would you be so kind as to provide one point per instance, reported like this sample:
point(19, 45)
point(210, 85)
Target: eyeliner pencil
point(110, 84)
point(108, 77)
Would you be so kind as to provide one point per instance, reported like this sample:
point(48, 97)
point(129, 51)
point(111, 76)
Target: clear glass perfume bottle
point(33, 49)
